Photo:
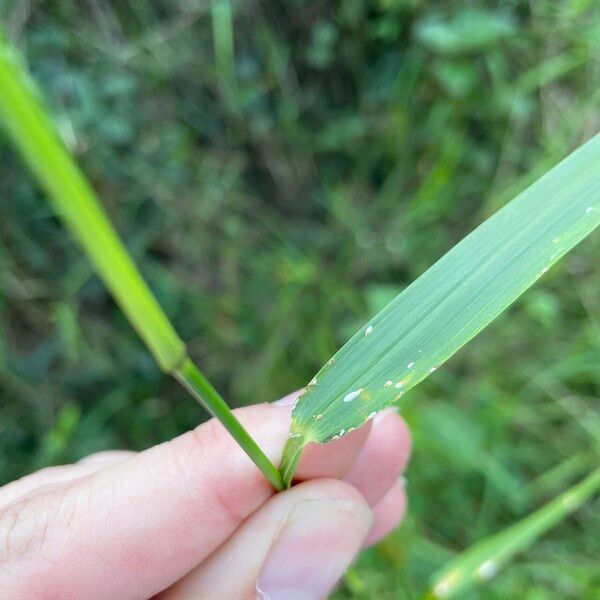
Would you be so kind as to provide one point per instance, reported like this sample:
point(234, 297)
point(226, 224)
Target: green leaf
point(483, 560)
point(470, 30)
point(450, 303)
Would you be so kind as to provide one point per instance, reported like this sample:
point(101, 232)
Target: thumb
point(295, 547)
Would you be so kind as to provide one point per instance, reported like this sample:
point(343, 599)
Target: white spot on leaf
point(313, 381)
point(441, 589)
point(368, 330)
point(399, 385)
point(410, 365)
point(569, 501)
point(589, 209)
point(447, 584)
point(388, 383)
point(487, 570)
point(352, 395)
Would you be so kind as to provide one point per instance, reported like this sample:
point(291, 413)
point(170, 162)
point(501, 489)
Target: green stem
point(192, 379)
point(32, 132)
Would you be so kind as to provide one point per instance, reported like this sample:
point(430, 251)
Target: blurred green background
point(280, 171)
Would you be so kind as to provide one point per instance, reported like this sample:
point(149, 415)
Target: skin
point(193, 517)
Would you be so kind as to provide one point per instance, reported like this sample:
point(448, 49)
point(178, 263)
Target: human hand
point(193, 518)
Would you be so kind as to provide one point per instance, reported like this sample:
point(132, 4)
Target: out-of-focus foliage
point(278, 195)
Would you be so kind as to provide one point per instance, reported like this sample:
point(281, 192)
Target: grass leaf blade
point(451, 302)
point(483, 560)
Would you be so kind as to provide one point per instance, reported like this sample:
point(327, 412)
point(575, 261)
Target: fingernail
point(288, 400)
point(317, 543)
point(384, 413)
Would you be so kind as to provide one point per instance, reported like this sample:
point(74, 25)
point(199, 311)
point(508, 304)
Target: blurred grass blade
point(72, 197)
point(450, 303)
point(483, 560)
point(224, 49)
point(222, 28)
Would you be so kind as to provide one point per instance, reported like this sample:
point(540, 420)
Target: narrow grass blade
point(483, 560)
point(450, 303)
point(33, 134)
point(222, 27)
point(72, 197)
point(224, 49)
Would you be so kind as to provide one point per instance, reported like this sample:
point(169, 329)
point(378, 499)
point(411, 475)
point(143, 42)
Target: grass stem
point(194, 381)
point(74, 200)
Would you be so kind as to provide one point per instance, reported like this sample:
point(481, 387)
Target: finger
point(382, 458)
point(16, 490)
point(334, 459)
point(295, 547)
point(143, 523)
point(388, 512)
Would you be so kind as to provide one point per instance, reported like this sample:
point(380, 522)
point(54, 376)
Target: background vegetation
point(280, 172)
